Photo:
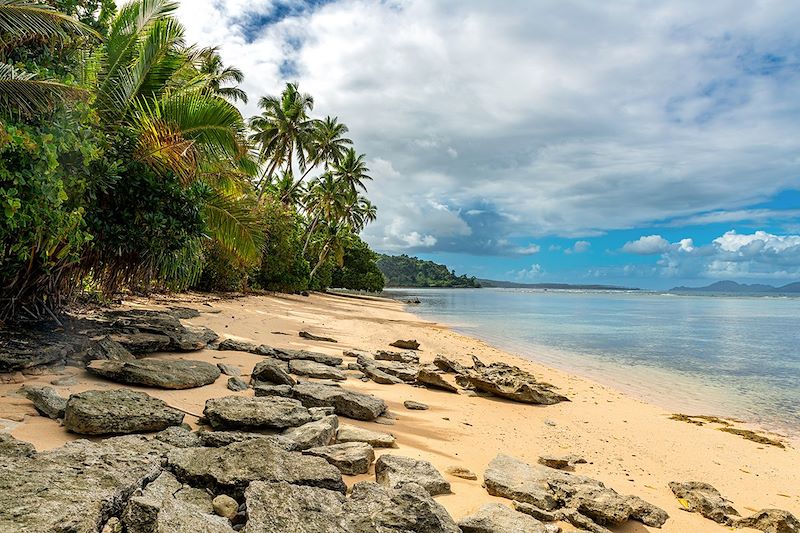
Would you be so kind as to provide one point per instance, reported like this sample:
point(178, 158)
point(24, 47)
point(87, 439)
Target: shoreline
point(630, 445)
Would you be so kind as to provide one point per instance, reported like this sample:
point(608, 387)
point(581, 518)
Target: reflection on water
point(733, 356)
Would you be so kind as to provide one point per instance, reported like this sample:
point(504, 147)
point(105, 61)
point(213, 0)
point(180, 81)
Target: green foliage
point(221, 272)
point(283, 267)
point(405, 271)
point(359, 270)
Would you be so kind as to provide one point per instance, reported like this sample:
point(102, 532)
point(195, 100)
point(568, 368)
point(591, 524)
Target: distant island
point(406, 271)
point(732, 287)
point(552, 286)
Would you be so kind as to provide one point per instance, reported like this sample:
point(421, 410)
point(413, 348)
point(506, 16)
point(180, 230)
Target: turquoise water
point(729, 356)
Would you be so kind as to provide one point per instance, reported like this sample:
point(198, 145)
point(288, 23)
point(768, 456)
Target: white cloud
point(535, 271)
point(579, 247)
point(649, 245)
point(517, 111)
point(529, 250)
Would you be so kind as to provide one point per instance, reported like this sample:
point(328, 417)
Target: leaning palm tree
point(360, 213)
point(218, 76)
point(326, 201)
point(333, 240)
point(352, 170)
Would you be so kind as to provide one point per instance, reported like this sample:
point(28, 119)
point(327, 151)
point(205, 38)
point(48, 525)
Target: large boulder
point(770, 521)
point(312, 369)
point(159, 373)
point(498, 518)
point(376, 439)
point(232, 468)
point(280, 507)
point(510, 382)
point(347, 403)
point(313, 434)
point(702, 498)
point(435, 379)
point(286, 354)
point(243, 412)
point(180, 338)
point(75, 488)
point(448, 365)
point(351, 458)
point(272, 371)
point(106, 348)
point(118, 411)
point(46, 401)
point(394, 471)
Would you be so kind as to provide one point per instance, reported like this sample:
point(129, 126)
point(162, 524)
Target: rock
point(402, 371)
point(289, 355)
point(448, 365)
point(11, 447)
point(560, 462)
point(312, 337)
point(118, 411)
point(415, 406)
point(225, 506)
point(313, 434)
point(273, 371)
point(77, 487)
point(182, 338)
point(379, 376)
point(242, 412)
point(218, 439)
point(280, 507)
point(313, 369)
point(460, 471)
point(646, 513)
point(66, 381)
point(160, 373)
point(141, 512)
point(179, 517)
point(260, 390)
point(231, 468)
point(405, 345)
point(497, 518)
point(538, 514)
point(511, 478)
point(237, 384)
point(179, 436)
point(234, 345)
point(583, 522)
point(770, 521)
point(511, 383)
point(46, 401)
point(699, 497)
point(347, 403)
point(409, 358)
point(318, 413)
point(112, 526)
point(107, 348)
point(394, 471)
point(142, 343)
point(183, 312)
point(229, 370)
point(351, 458)
point(372, 508)
point(376, 439)
point(433, 378)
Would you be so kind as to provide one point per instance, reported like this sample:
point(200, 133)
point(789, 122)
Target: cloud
point(529, 250)
point(535, 271)
point(579, 247)
point(599, 116)
point(649, 245)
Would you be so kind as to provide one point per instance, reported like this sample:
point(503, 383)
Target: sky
point(629, 142)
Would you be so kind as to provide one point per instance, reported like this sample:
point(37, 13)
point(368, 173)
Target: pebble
point(225, 506)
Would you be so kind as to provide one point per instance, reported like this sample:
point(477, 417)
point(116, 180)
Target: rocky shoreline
point(274, 460)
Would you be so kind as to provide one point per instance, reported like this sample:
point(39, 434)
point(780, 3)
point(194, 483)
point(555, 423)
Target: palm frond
point(20, 19)
point(235, 225)
point(23, 95)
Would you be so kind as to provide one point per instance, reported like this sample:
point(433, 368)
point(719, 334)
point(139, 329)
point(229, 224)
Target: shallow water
point(723, 355)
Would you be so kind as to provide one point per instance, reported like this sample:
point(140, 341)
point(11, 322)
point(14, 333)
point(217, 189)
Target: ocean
point(722, 355)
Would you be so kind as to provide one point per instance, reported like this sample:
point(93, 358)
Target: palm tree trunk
point(266, 179)
point(322, 257)
point(311, 231)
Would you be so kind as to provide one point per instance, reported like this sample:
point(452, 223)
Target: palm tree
point(283, 130)
point(352, 170)
point(327, 201)
point(333, 239)
point(361, 213)
point(218, 75)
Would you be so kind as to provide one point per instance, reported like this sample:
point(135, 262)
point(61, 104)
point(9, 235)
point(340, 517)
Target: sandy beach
point(630, 445)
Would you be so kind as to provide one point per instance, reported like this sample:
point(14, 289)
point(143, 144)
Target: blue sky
point(635, 143)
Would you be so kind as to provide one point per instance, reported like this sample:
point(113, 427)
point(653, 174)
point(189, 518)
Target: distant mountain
point(553, 286)
point(732, 287)
point(405, 271)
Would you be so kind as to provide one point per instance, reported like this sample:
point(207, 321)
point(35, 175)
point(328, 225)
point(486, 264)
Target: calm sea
point(722, 355)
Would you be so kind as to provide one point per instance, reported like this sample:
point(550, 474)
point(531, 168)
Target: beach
point(631, 446)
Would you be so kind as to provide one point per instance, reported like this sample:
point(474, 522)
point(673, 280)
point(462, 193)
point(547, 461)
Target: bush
point(283, 267)
point(220, 271)
point(359, 270)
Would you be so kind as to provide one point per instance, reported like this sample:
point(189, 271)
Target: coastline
point(630, 445)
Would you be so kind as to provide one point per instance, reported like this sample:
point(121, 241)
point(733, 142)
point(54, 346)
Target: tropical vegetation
point(126, 165)
point(405, 271)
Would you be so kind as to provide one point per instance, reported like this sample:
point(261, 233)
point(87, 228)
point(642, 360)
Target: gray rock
point(75, 488)
point(118, 411)
point(510, 382)
point(318, 413)
point(394, 471)
point(379, 376)
point(376, 439)
point(242, 412)
point(770, 521)
point(560, 462)
point(180, 437)
point(313, 434)
point(260, 389)
point(704, 499)
point(538, 514)
point(347, 403)
point(497, 518)
point(461, 472)
point(405, 344)
point(280, 507)
point(273, 371)
point(233, 345)
point(289, 355)
point(409, 358)
point(66, 381)
point(229, 370)
point(11, 447)
point(141, 512)
point(583, 522)
point(218, 439)
point(229, 470)
point(434, 379)
point(313, 369)
point(181, 338)
point(448, 365)
point(46, 401)
point(141, 343)
point(312, 337)
point(646, 513)
point(106, 348)
point(160, 373)
point(237, 384)
point(351, 458)
point(415, 406)
point(176, 516)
